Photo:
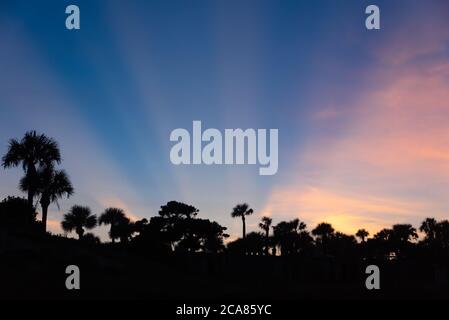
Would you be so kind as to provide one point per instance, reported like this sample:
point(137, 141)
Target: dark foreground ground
point(35, 269)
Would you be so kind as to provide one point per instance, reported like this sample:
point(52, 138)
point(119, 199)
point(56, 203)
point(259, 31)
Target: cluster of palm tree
point(177, 226)
point(80, 218)
point(39, 155)
point(292, 237)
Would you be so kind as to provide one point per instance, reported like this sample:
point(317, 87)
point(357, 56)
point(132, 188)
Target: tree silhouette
point(437, 234)
point(213, 238)
point(123, 229)
point(429, 226)
point(112, 217)
point(403, 233)
point(291, 236)
point(78, 219)
point(91, 238)
point(32, 151)
point(154, 236)
point(177, 225)
point(174, 209)
point(178, 229)
point(242, 210)
point(323, 233)
point(362, 234)
point(323, 230)
point(252, 244)
point(52, 186)
point(342, 245)
point(442, 234)
point(396, 240)
point(17, 215)
point(200, 235)
point(139, 225)
point(265, 225)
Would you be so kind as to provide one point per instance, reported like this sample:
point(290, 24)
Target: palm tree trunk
point(244, 227)
point(30, 197)
point(44, 217)
point(266, 242)
point(31, 174)
point(80, 232)
point(45, 203)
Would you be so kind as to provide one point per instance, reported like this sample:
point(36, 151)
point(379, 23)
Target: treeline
point(177, 227)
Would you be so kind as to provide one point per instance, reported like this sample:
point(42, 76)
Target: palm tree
point(124, 229)
point(362, 234)
point(51, 185)
point(31, 151)
point(442, 234)
point(429, 226)
point(291, 236)
point(323, 230)
point(403, 233)
point(112, 216)
point(401, 237)
point(242, 210)
point(78, 219)
point(265, 225)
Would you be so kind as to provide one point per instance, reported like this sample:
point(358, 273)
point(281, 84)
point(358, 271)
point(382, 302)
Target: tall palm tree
point(53, 185)
point(265, 225)
point(242, 210)
point(113, 217)
point(362, 234)
point(32, 151)
point(78, 219)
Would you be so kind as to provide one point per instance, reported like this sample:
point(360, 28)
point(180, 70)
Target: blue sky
point(112, 92)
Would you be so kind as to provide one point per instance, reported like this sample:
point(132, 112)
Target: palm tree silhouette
point(442, 234)
point(78, 219)
point(362, 234)
point(323, 230)
point(242, 210)
point(31, 151)
point(404, 233)
point(51, 185)
point(265, 225)
point(291, 236)
point(112, 216)
point(429, 226)
point(123, 229)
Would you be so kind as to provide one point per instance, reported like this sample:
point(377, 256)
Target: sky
point(362, 114)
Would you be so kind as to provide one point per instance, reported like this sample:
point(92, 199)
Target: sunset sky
point(363, 116)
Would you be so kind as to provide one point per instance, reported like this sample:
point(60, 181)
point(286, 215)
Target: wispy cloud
point(390, 162)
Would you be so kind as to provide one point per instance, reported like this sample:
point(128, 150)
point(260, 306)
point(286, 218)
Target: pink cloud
point(390, 163)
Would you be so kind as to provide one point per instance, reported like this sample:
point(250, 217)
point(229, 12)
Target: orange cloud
point(347, 212)
point(116, 202)
point(390, 163)
point(54, 226)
